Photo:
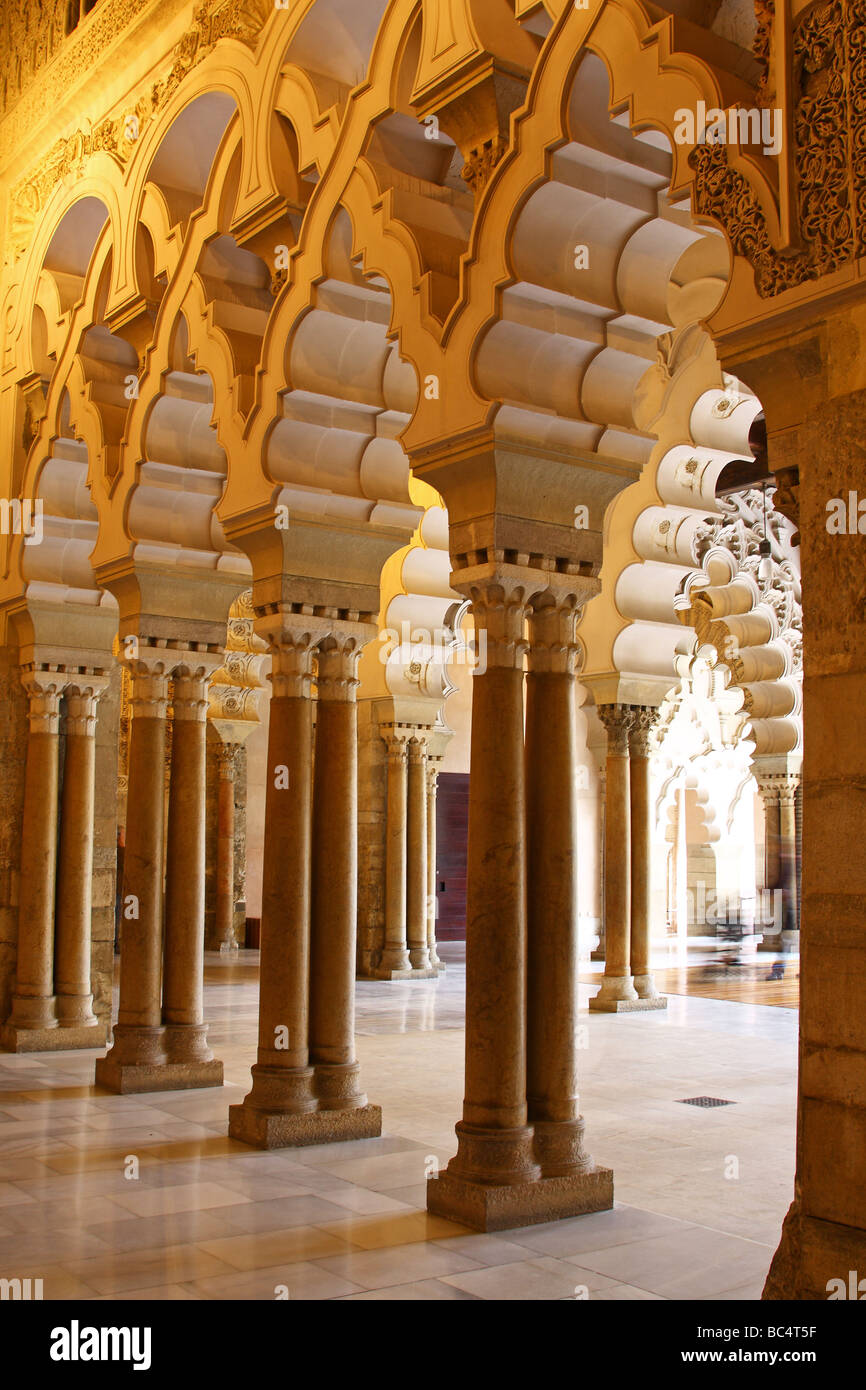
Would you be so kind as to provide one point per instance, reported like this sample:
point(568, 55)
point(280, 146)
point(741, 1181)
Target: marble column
point(280, 1109)
point(495, 1181)
point(75, 870)
point(34, 1012)
point(416, 857)
point(137, 1055)
point(617, 993)
point(771, 939)
point(641, 856)
point(190, 1060)
point(788, 861)
point(225, 847)
point(432, 782)
point(344, 1110)
point(395, 963)
point(551, 836)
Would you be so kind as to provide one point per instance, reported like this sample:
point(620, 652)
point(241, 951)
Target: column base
point(272, 1130)
point(645, 986)
point(498, 1207)
point(56, 1039)
point(228, 948)
point(410, 974)
point(133, 1078)
point(627, 1006)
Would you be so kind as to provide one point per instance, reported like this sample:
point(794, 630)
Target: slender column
point(617, 991)
point(278, 1108)
point(788, 853)
point(432, 781)
point(33, 1002)
point(551, 833)
point(395, 956)
point(641, 854)
point(494, 1139)
point(183, 982)
point(225, 847)
point(416, 856)
point(75, 872)
point(138, 1036)
point(335, 887)
point(771, 939)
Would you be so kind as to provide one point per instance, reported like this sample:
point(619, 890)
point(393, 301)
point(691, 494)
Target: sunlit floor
point(701, 1191)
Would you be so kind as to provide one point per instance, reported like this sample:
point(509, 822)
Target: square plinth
point(498, 1208)
point(268, 1130)
point(14, 1039)
point(627, 1006)
point(133, 1078)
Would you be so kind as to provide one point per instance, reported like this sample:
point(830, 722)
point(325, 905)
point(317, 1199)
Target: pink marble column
point(72, 935)
point(138, 1052)
point(33, 1001)
point(183, 972)
point(337, 1083)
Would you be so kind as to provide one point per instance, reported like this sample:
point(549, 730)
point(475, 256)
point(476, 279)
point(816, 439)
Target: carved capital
point(44, 688)
point(81, 706)
point(227, 755)
point(617, 720)
point(641, 729)
point(499, 610)
point(337, 659)
point(189, 701)
point(553, 646)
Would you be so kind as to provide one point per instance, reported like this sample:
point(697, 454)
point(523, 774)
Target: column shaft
point(282, 1077)
point(641, 854)
point(617, 990)
point(416, 856)
point(225, 848)
point(33, 1002)
point(432, 779)
point(553, 949)
point(183, 982)
point(138, 1036)
point(395, 955)
point(72, 929)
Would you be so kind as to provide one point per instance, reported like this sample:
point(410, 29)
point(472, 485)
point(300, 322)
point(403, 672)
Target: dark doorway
point(452, 828)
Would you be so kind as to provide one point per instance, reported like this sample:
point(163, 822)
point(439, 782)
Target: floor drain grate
point(706, 1102)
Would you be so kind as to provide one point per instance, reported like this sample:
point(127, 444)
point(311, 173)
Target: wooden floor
point(741, 984)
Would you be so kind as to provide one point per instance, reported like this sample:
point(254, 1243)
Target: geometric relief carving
point(829, 125)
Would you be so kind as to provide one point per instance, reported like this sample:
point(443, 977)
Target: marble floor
point(145, 1197)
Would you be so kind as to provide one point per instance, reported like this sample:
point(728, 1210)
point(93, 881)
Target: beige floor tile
point(268, 1248)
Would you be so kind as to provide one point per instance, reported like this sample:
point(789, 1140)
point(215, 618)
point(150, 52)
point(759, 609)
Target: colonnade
point(627, 984)
point(52, 1004)
point(160, 1039)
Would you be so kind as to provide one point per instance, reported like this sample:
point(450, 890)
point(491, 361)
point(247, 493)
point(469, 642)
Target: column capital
point(81, 701)
point(189, 700)
point(227, 760)
point(44, 687)
point(778, 788)
point(617, 720)
point(641, 729)
point(417, 747)
point(148, 692)
point(432, 773)
point(499, 606)
point(554, 648)
point(337, 657)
